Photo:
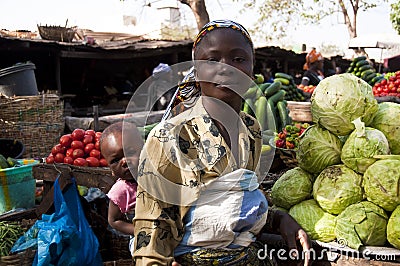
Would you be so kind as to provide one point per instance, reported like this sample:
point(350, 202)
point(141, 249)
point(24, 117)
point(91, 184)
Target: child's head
point(228, 43)
point(112, 147)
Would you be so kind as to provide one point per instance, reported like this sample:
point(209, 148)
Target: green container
point(17, 187)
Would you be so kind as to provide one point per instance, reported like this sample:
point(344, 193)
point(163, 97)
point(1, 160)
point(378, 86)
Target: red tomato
point(66, 140)
point(95, 153)
point(97, 145)
point(90, 132)
point(78, 134)
point(58, 149)
point(68, 153)
point(87, 139)
point(384, 82)
point(78, 153)
point(80, 162)
point(77, 144)
point(97, 136)
point(103, 162)
point(68, 160)
point(93, 162)
point(59, 158)
point(50, 159)
point(88, 148)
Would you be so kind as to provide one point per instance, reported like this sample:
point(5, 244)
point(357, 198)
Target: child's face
point(112, 149)
point(229, 47)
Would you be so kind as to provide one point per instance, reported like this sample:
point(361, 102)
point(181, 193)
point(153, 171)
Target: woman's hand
point(294, 234)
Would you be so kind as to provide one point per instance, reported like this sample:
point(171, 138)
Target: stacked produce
point(80, 148)
point(9, 233)
point(289, 137)
point(293, 93)
point(307, 88)
point(388, 86)
point(362, 69)
point(7, 163)
point(266, 102)
point(347, 182)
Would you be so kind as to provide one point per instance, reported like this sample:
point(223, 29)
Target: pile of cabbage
point(346, 187)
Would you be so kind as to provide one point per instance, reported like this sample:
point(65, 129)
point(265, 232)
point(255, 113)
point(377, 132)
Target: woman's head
point(220, 50)
point(120, 152)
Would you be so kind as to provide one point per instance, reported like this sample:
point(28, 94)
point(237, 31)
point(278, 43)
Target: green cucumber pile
point(293, 93)
point(362, 69)
point(267, 103)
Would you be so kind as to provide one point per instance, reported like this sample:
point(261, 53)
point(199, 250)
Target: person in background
point(199, 201)
point(122, 195)
point(314, 68)
point(157, 99)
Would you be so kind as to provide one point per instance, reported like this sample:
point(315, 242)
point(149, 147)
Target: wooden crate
point(300, 111)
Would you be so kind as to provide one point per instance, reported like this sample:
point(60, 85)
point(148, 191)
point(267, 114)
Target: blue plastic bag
point(65, 237)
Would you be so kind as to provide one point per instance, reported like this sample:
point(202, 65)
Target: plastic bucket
point(18, 80)
point(11, 148)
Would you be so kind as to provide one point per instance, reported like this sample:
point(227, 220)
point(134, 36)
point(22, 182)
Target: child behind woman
point(122, 195)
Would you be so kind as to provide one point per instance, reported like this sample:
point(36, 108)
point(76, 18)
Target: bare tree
point(199, 10)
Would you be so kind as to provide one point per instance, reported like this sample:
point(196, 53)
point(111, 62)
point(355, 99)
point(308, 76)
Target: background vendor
point(314, 68)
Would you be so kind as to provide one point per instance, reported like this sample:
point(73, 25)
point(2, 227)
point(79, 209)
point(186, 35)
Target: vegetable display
point(9, 233)
point(388, 86)
point(340, 99)
point(356, 165)
point(267, 102)
point(387, 121)
point(80, 148)
point(361, 68)
point(362, 145)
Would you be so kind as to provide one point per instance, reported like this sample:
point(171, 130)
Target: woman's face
point(223, 81)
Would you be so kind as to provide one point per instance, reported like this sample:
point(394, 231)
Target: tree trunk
point(199, 10)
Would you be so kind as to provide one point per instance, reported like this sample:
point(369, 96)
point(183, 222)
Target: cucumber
point(261, 111)
point(283, 114)
point(248, 107)
point(359, 58)
point(365, 67)
point(378, 77)
point(272, 89)
point(283, 75)
point(271, 116)
point(286, 87)
point(264, 86)
point(279, 96)
point(370, 76)
point(251, 92)
point(349, 70)
point(362, 63)
point(283, 81)
point(365, 73)
point(3, 162)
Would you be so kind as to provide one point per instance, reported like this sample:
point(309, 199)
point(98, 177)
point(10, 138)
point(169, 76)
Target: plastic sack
point(65, 237)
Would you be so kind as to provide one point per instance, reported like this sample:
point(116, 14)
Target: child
point(203, 156)
point(119, 154)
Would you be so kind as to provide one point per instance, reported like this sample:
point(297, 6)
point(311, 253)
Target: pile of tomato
point(389, 86)
point(80, 148)
point(308, 88)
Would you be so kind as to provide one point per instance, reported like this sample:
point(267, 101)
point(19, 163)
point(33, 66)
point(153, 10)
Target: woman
point(314, 67)
point(197, 198)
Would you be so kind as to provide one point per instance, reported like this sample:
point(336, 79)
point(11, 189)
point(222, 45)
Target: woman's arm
point(117, 220)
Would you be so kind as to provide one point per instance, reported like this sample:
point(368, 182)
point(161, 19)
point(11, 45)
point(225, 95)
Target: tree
point(395, 16)
point(199, 10)
point(280, 14)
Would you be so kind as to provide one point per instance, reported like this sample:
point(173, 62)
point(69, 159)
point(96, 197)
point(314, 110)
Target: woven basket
point(119, 246)
point(56, 33)
point(24, 258)
point(36, 121)
point(288, 157)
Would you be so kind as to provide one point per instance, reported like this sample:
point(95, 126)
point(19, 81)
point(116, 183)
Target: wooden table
point(98, 177)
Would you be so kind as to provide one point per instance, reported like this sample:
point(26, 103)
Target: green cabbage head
point(318, 148)
point(317, 223)
point(340, 99)
point(393, 228)
point(294, 186)
point(387, 120)
point(337, 187)
point(362, 144)
point(363, 223)
point(381, 183)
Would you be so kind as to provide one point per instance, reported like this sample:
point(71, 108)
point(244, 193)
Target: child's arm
point(117, 220)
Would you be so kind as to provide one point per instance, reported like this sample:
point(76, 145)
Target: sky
point(107, 15)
